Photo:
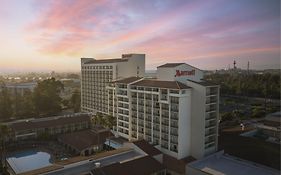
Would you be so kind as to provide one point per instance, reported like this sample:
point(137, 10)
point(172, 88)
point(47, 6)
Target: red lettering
point(184, 73)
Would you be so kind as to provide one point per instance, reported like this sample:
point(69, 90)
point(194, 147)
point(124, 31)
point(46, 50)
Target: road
point(87, 165)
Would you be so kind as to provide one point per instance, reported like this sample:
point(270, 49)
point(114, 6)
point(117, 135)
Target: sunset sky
point(45, 35)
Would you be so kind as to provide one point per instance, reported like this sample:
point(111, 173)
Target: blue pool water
point(29, 160)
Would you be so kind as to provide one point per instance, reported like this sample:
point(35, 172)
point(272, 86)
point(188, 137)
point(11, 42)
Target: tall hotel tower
point(177, 112)
point(97, 74)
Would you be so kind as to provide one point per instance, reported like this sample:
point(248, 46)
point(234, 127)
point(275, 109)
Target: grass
point(252, 149)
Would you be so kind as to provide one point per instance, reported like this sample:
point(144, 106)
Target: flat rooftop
point(223, 164)
point(139, 166)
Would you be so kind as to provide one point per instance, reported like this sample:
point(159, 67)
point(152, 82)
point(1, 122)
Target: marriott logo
point(184, 73)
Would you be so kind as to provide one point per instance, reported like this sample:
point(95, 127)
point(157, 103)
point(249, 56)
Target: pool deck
point(43, 170)
point(81, 164)
point(28, 160)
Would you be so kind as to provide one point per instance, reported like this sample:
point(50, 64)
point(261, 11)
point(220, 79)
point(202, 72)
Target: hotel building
point(97, 74)
point(177, 112)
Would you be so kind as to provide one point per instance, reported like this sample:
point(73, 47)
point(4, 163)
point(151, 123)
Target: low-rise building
point(85, 142)
point(223, 164)
point(49, 126)
point(21, 88)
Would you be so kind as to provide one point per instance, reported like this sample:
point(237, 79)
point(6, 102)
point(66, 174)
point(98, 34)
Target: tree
point(46, 97)
point(105, 120)
point(76, 101)
point(23, 105)
point(3, 137)
point(5, 102)
point(110, 121)
point(258, 112)
point(227, 116)
point(253, 85)
point(99, 119)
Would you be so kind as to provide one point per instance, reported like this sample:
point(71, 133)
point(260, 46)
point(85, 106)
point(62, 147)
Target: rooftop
point(170, 65)
point(204, 83)
point(161, 84)
point(219, 163)
point(127, 80)
point(22, 85)
point(49, 122)
point(147, 148)
point(84, 139)
point(176, 165)
point(101, 61)
point(140, 166)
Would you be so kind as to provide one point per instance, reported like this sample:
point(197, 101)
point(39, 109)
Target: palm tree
point(110, 121)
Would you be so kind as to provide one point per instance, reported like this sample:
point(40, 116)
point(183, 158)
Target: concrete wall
point(184, 138)
point(197, 120)
point(129, 69)
point(193, 171)
point(159, 158)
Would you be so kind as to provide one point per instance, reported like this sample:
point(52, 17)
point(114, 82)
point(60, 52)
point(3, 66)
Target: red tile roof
point(127, 80)
point(147, 148)
point(52, 122)
point(84, 139)
point(176, 165)
point(170, 65)
point(162, 84)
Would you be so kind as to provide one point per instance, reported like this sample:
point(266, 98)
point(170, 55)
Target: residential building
point(97, 74)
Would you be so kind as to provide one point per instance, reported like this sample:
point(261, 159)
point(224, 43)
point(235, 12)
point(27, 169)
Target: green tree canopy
point(46, 97)
point(76, 101)
point(254, 85)
point(6, 110)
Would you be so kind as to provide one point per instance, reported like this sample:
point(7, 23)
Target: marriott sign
point(184, 73)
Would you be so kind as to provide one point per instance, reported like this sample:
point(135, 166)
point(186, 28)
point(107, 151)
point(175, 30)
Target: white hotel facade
point(177, 111)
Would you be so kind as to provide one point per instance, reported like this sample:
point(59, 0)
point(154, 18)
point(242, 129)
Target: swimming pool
point(29, 160)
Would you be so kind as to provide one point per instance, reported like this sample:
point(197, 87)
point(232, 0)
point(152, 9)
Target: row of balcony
point(212, 91)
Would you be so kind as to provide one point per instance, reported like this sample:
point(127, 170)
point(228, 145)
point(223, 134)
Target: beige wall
point(197, 120)
point(184, 137)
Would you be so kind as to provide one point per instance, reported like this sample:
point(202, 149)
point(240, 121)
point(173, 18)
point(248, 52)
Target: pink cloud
point(64, 26)
point(177, 32)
